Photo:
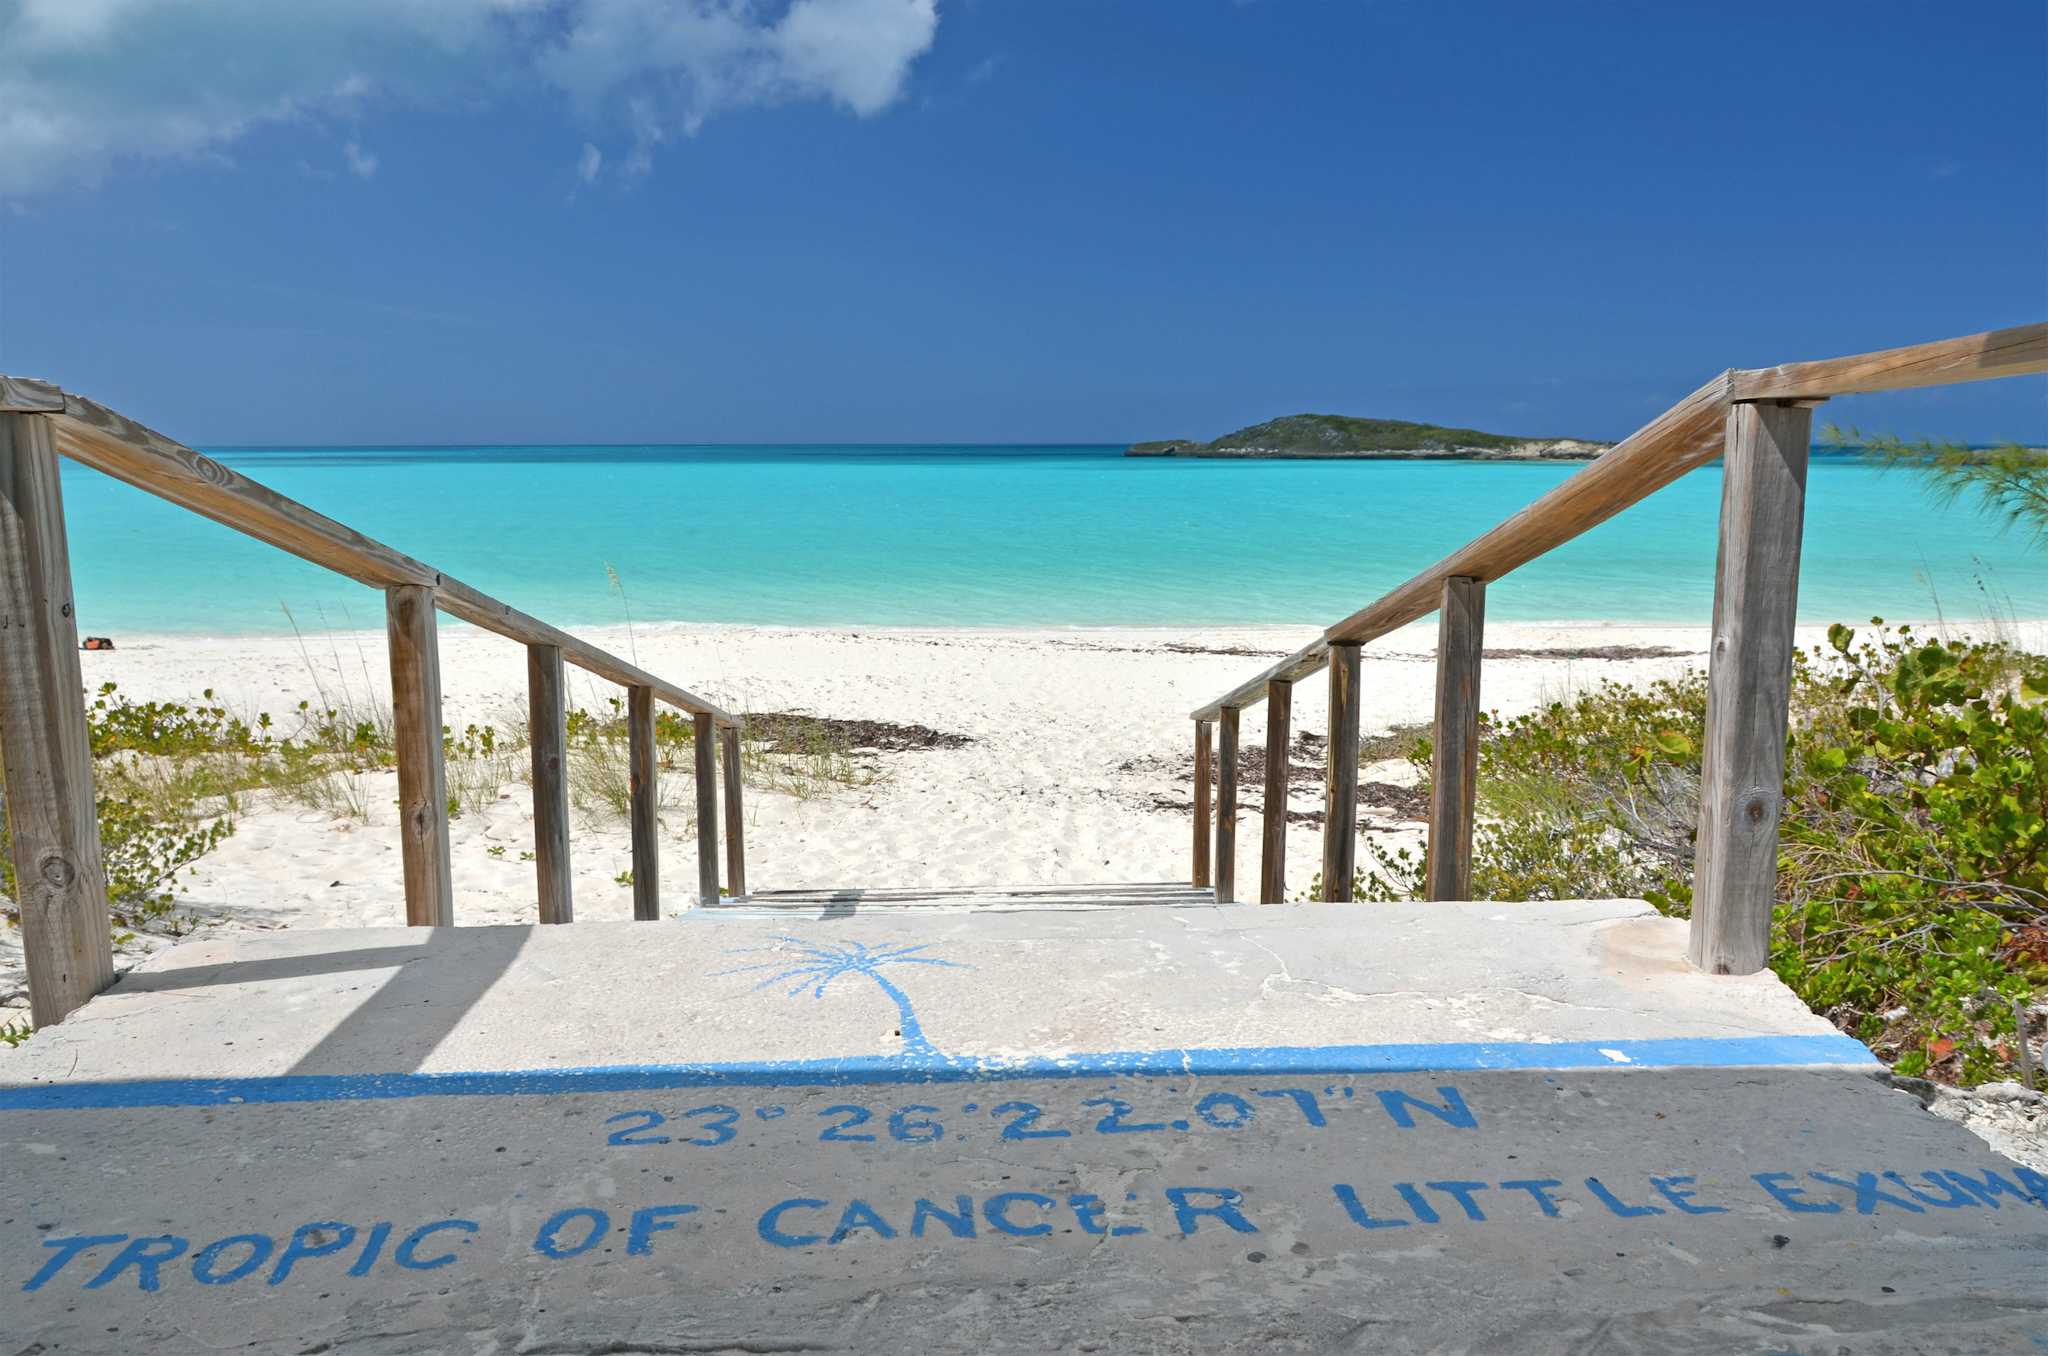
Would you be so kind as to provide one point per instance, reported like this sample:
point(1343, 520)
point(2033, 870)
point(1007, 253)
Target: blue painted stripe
point(1260, 1061)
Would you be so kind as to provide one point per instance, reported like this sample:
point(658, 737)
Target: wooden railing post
point(1204, 772)
point(61, 882)
point(1749, 683)
point(735, 834)
point(410, 629)
point(1273, 840)
point(1226, 805)
point(644, 788)
point(1340, 786)
point(1454, 765)
point(547, 722)
point(707, 809)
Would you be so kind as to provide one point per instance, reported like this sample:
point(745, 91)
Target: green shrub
point(1913, 868)
point(599, 762)
point(166, 774)
point(1912, 900)
point(478, 763)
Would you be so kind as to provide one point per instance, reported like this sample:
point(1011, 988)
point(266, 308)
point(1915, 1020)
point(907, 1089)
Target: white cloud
point(361, 163)
point(662, 66)
point(589, 163)
point(90, 86)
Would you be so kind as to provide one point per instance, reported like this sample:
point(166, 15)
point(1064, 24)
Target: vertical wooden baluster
point(644, 782)
point(1454, 767)
point(51, 811)
point(547, 720)
point(410, 629)
point(707, 810)
point(1340, 782)
point(1273, 841)
point(1203, 773)
point(1749, 683)
point(735, 833)
point(1226, 805)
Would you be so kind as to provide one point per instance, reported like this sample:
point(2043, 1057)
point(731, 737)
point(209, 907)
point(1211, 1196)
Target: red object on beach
point(97, 643)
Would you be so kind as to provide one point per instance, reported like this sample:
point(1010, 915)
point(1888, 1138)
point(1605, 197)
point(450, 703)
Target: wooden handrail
point(2017, 352)
point(1686, 436)
point(1682, 439)
point(1760, 419)
point(96, 436)
point(43, 728)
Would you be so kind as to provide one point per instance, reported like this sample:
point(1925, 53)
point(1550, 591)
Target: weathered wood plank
point(128, 451)
point(1273, 825)
point(1226, 805)
point(735, 817)
point(982, 900)
point(1683, 438)
point(547, 719)
point(1749, 682)
point(1155, 891)
point(1204, 774)
point(706, 747)
point(1454, 765)
point(480, 609)
point(644, 811)
point(26, 395)
point(52, 815)
point(1303, 663)
point(410, 630)
point(1340, 782)
point(106, 441)
point(2016, 352)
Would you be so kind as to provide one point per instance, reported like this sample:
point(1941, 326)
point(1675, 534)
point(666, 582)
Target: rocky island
point(1338, 436)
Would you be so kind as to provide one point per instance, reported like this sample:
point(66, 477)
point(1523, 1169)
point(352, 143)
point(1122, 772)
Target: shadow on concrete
point(390, 1028)
point(396, 1028)
point(277, 967)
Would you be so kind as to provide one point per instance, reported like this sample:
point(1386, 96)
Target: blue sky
point(1004, 220)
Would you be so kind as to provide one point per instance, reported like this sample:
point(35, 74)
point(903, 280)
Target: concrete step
point(1454, 1127)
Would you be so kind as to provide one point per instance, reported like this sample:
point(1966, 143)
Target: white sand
point(1076, 734)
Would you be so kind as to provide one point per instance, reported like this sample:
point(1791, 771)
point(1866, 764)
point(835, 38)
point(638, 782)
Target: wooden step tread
point(1118, 895)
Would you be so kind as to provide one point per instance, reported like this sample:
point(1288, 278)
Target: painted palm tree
point(816, 964)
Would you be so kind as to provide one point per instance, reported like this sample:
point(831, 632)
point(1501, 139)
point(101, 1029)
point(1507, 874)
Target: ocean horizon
point(980, 535)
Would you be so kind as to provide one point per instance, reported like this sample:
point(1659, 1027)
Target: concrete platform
point(861, 1126)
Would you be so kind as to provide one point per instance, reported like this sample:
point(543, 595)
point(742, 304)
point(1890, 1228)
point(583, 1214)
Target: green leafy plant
point(1913, 868)
point(478, 763)
point(1912, 899)
point(166, 774)
point(599, 763)
point(171, 778)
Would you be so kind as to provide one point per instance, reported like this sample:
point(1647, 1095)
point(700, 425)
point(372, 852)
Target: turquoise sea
point(990, 536)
